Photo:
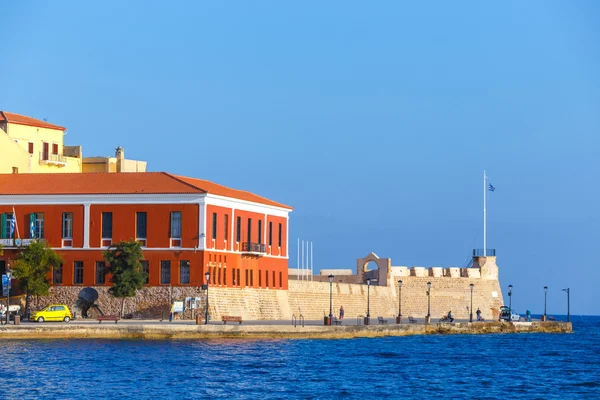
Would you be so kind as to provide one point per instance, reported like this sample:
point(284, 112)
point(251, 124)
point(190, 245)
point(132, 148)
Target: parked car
point(54, 312)
point(506, 314)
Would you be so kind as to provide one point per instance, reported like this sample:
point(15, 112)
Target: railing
point(53, 158)
point(250, 247)
point(484, 252)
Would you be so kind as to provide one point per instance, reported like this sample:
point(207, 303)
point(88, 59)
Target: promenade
point(313, 329)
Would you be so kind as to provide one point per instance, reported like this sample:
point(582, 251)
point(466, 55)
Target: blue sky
point(375, 121)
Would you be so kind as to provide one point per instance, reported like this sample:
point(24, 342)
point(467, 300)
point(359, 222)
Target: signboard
point(5, 285)
point(178, 306)
point(16, 242)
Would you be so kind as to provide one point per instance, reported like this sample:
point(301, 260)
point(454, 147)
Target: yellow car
point(54, 312)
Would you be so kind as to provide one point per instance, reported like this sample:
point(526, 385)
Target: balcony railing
point(484, 252)
point(255, 248)
point(48, 158)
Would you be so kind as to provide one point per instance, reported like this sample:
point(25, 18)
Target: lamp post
point(545, 300)
point(568, 290)
point(399, 319)
point(471, 310)
point(8, 276)
point(368, 319)
point(330, 298)
point(510, 302)
point(428, 319)
point(207, 276)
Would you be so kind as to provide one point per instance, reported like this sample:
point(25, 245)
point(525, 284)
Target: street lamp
point(510, 302)
point(207, 276)
point(8, 276)
point(545, 299)
point(368, 301)
point(399, 301)
point(568, 290)
point(471, 314)
point(428, 301)
point(330, 298)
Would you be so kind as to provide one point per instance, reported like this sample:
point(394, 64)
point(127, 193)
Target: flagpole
point(16, 222)
point(484, 215)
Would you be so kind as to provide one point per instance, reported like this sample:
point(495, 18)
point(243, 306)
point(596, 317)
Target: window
point(226, 227)
point(279, 241)
point(266, 278)
point(15, 170)
point(100, 273)
point(238, 276)
point(7, 230)
point(57, 274)
point(146, 270)
point(67, 226)
point(219, 276)
point(259, 231)
point(78, 272)
point(238, 233)
point(54, 148)
point(249, 230)
point(280, 279)
point(176, 225)
point(30, 147)
point(165, 272)
point(214, 226)
point(270, 233)
point(36, 224)
point(184, 272)
point(45, 150)
point(107, 229)
point(224, 276)
point(246, 277)
point(273, 281)
point(141, 221)
point(251, 278)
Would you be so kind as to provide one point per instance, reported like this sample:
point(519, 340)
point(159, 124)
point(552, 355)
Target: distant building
point(29, 145)
point(186, 227)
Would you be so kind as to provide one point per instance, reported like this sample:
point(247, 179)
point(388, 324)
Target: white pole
point(484, 214)
point(311, 261)
point(303, 259)
point(306, 268)
point(298, 261)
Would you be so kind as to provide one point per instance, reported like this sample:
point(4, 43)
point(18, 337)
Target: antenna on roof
point(45, 119)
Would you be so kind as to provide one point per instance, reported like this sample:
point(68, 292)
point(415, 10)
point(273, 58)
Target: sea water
point(507, 366)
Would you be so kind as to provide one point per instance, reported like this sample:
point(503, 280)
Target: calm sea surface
point(525, 366)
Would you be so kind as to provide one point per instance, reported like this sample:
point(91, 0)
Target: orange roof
point(119, 183)
point(13, 118)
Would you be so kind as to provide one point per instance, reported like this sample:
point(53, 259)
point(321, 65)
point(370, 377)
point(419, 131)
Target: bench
point(229, 318)
point(381, 320)
point(412, 320)
point(335, 321)
point(107, 318)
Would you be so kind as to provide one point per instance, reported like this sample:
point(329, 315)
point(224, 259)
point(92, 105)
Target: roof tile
point(18, 119)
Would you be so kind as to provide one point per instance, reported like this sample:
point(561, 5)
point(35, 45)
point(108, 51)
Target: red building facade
point(186, 227)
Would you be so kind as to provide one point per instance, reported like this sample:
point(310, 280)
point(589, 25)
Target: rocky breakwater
point(153, 330)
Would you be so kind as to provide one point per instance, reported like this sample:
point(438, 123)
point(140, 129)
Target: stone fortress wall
point(450, 291)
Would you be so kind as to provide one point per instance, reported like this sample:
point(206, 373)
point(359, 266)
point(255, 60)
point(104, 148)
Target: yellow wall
point(25, 134)
point(12, 155)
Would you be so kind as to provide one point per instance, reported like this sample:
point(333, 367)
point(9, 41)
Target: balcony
point(53, 159)
point(254, 248)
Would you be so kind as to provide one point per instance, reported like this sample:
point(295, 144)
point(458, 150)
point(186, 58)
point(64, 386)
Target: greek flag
point(12, 225)
point(491, 188)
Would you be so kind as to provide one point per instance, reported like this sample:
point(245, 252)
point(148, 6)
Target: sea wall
point(450, 291)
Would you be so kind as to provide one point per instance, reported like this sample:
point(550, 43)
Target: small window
point(246, 282)
point(107, 231)
point(146, 270)
point(67, 226)
point(100, 273)
point(266, 278)
point(165, 272)
point(141, 219)
point(176, 225)
point(226, 227)
point(78, 272)
point(36, 225)
point(54, 148)
point(57, 275)
point(249, 230)
point(259, 231)
point(224, 276)
point(279, 241)
point(251, 278)
point(214, 226)
point(238, 276)
point(238, 233)
point(59, 308)
point(270, 233)
point(280, 279)
point(273, 281)
point(184, 272)
point(259, 279)
point(8, 228)
point(15, 170)
point(30, 148)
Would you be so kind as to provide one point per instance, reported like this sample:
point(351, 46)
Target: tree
point(31, 268)
point(123, 263)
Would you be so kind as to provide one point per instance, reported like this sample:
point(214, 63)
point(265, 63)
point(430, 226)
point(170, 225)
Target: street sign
point(5, 281)
point(4, 291)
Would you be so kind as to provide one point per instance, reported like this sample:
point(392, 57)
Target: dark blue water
point(531, 366)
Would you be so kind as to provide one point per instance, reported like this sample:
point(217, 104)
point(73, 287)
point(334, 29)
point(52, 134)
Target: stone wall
point(449, 292)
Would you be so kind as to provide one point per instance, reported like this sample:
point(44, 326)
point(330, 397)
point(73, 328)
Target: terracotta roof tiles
point(18, 119)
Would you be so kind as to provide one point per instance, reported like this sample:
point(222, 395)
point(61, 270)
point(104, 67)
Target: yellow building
point(30, 145)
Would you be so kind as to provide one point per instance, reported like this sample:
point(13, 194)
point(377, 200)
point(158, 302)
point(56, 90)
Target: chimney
point(120, 155)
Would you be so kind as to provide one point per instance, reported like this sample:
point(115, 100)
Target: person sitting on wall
point(478, 312)
point(450, 317)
